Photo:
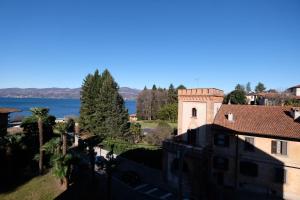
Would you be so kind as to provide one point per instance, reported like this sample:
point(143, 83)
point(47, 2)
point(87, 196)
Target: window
point(249, 144)
point(220, 163)
point(248, 168)
point(194, 112)
point(280, 175)
point(221, 140)
point(279, 147)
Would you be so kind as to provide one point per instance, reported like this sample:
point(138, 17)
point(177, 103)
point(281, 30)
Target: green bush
point(121, 146)
point(159, 134)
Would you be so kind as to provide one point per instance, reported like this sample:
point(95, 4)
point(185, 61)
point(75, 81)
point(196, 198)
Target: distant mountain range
point(58, 93)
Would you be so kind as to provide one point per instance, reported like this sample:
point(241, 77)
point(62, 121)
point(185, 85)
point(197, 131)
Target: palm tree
point(40, 114)
point(61, 167)
point(61, 128)
point(60, 163)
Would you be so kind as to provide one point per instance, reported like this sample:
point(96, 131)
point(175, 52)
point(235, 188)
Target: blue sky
point(195, 43)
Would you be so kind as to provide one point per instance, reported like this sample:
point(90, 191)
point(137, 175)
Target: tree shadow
point(17, 166)
point(147, 157)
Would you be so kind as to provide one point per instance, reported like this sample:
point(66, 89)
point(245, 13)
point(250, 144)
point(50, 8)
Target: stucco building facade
point(233, 149)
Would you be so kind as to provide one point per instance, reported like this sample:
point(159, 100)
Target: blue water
point(57, 107)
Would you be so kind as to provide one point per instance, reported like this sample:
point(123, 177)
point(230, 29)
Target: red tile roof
point(296, 86)
point(269, 95)
point(8, 110)
point(273, 121)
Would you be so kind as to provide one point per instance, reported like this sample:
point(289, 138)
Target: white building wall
point(297, 91)
point(217, 106)
point(189, 122)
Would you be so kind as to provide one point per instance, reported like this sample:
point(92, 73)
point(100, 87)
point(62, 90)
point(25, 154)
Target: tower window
point(194, 112)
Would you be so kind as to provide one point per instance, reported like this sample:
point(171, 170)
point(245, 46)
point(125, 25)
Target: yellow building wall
point(266, 162)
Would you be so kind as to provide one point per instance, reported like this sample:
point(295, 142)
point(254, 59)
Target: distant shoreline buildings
point(273, 98)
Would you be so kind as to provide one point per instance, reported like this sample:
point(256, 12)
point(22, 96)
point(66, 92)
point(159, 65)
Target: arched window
point(194, 112)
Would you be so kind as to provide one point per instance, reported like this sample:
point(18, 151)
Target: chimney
point(295, 113)
point(230, 117)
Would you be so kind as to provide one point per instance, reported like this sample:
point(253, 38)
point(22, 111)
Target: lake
point(57, 107)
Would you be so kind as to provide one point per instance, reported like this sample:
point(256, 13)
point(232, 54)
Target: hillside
point(59, 93)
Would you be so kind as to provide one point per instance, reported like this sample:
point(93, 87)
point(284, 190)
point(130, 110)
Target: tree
point(248, 87)
point(40, 113)
point(239, 87)
point(150, 102)
point(61, 167)
point(168, 112)
point(236, 97)
point(144, 103)
point(89, 93)
point(154, 87)
point(61, 128)
point(112, 116)
point(172, 95)
point(260, 87)
point(103, 109)
point(154, 102)
point(292, 102)
point(136, 132)
point(59, 160)
point(180, 87)
point(159, 134)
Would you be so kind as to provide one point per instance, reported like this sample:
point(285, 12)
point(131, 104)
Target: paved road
point(122, 191)
point(154, 192)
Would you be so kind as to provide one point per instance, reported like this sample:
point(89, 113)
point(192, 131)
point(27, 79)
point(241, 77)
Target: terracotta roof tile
point(259, 120)
point(296, 86)
point(8, 110)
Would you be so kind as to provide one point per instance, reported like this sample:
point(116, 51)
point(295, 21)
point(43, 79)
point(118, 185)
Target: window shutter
point(283, 147)
point(274, 147)
point(251, 141)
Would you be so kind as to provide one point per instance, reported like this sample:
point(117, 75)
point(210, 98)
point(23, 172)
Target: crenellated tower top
point(201, 94)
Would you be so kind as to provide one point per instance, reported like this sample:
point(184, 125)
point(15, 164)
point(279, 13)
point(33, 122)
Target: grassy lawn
point(121, 146)
point(42, 187)
point(153, 124)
